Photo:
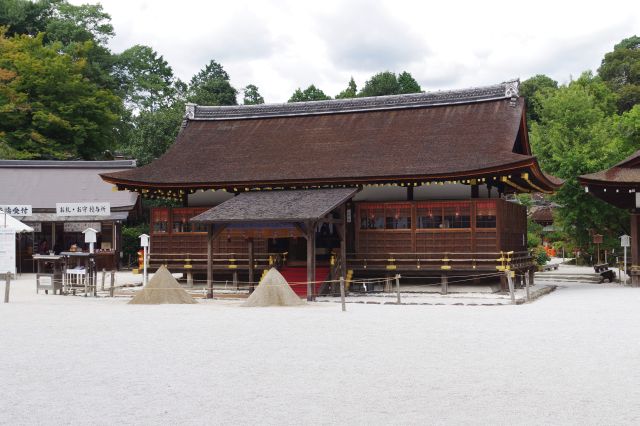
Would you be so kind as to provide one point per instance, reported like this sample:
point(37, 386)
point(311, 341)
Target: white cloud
point(280, 45)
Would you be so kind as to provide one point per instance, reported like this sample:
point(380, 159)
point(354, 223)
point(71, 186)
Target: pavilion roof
point(450, 135)
point(618, 185)
point(277, 206)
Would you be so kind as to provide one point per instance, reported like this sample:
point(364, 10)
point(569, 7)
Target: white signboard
point(37, 226)
point(81, 226)
point(83, 209)
point(16, 209)
point(625, 241)
point(7, 251)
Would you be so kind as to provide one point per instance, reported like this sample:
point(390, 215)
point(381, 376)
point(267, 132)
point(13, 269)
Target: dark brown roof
point(617, 185)
point(625, 172)
point(277, 206)
point(447, 135)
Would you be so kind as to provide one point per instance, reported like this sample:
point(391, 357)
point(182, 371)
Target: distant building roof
point(42, 184)
point(618, 184)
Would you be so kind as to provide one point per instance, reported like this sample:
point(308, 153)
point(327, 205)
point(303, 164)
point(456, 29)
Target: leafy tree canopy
point(146, 79)
point(386, 83)
point(408, 84)
point(530, 88)
point(577, 134)
point(620, 69)
point(350, 92)
point(311, 93)
point(211, 86)
point(252, 95)
point(48, 109)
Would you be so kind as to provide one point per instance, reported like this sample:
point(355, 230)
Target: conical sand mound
point(273, 290)
point(162, 288)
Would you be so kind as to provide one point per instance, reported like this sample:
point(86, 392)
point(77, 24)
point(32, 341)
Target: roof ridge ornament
point(512, 90)
point(190, 110)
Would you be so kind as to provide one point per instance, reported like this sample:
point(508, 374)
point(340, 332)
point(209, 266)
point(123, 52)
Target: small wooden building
point(42, 185)
point(429, 172)
point(620, 186)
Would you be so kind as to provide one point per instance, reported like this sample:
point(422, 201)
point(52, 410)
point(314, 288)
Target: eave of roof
point(59, 164)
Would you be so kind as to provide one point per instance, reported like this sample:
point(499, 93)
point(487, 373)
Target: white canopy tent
point(9, 227)
point(10, 223)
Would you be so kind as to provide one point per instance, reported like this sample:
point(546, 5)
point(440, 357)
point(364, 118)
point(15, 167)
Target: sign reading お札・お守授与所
point(16, 209)
point(83, 209)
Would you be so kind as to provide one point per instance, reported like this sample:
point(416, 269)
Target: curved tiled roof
point(442, 135)
point(625, 172)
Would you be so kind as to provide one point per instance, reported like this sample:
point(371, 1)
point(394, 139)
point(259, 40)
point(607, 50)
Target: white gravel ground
point(571, 357)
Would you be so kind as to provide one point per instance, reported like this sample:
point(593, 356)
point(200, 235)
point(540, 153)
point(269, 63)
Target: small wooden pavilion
point(620, 186)
point(419, 180)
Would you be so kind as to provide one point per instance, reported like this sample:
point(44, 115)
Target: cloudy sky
point(280, 45)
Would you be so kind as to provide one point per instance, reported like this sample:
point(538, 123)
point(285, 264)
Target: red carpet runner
point(295, 276)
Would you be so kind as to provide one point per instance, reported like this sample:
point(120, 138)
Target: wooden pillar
point(635, 250)
point(343, 241)
point(251, 260)
point(311, 242)
point(209, 261)
point(409, 193)
point(444, 283)
point(475, 191)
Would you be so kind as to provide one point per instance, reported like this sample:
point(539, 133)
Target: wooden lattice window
point(429, 216)
point(486, 214)
point(159, 220)
point(456, 215)
point(397, 216)
point(372, 216)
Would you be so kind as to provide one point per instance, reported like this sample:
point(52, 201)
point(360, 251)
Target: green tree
point(154, 132)
point(252, 95)
point(146, 79)
point(577, 134)
point(25, 17)
point(211, 86)
point(620, 69)
point(350, 92)
point(381, 84)
point(48, 108)
point(530, 88)
point(311, 93)
point(408, 84)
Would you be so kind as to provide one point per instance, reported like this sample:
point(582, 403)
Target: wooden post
point(113, 283)
point(343, 241)
point(444, 283)
point(526, 286)
point(7, 287)
point(104, 276)
point(635, 250)
point(387, 285)
point(209, 261)
point(511, 287)
point(311, 232)
point(532, 273)
point(189, 278)
point(344, 305)
point(251, 261)
point(235, 279)
point(398, 287)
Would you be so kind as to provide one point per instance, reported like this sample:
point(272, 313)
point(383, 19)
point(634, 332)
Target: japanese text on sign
point(83, 209)
point(16, 209)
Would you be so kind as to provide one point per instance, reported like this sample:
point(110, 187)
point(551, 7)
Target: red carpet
point(297, 278)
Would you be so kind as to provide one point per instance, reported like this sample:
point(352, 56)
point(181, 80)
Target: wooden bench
point(605, 272)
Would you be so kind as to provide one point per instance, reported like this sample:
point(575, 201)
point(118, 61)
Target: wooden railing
point(443, 261)
point(230, 261)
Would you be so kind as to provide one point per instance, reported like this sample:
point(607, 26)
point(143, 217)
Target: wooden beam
point(251, 260)
point(475, 191)
point(409, 193)
point(302, 228)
